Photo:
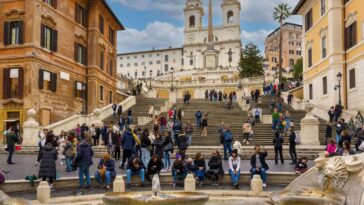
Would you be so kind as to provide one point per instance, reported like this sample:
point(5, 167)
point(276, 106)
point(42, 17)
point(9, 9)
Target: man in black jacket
point(258, 164)
point(292, 145)
point(135, 167)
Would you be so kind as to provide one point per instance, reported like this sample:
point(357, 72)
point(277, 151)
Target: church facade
point(224, 41)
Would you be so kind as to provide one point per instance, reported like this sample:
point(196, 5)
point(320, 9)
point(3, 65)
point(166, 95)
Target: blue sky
point(160, 24)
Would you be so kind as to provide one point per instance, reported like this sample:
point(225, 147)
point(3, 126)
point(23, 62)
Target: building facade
point(333, 43)
point(291, 49)
point(191, 55)
point(57, 57)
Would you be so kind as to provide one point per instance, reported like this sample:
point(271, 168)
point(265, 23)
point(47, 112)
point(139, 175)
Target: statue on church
point(230, 54)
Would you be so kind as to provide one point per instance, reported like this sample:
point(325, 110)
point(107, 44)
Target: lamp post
point(339, 76)
point(150, 79)
point(145, 74)
point(172, 71)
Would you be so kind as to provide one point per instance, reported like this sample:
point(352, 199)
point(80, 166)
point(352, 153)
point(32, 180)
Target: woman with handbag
point(168, 147)
point(146, 146)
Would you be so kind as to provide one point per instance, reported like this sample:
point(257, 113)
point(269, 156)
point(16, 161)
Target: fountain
point(156, 197)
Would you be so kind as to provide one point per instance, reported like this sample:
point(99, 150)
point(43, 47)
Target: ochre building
point(333, 43)
point(56, 56)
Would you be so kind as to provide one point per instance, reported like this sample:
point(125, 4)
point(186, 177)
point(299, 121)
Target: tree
point(298, 69)
point(251, 62)
point(280, 14)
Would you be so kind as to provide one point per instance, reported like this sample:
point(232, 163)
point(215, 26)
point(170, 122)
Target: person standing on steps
point(48, 157)
point(247, 129)
point(128, 144)
point(177, 129)
point(206, 95)
point(275, 119)
point(220, 131)
point(289, 99)
point(228, 139)
point(189, 132)
point(198, 116)
point(83, 161)
point(120, 110)
point(278, 147)
point(180, 114)
point(259, 165)
point(114, 106)
point(130, 118)
point(292, 145)
point(204, 125)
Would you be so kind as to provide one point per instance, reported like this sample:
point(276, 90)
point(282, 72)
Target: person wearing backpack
point(292, 145)
point(198, 116)
point(278, 147)
point(228, 138)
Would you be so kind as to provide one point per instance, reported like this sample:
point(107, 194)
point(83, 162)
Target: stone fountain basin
point(142, 198)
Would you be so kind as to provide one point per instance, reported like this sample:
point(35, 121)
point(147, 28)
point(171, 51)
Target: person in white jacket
point(234, 168)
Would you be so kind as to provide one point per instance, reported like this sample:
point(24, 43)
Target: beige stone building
point(291, 49)
point(56, 56)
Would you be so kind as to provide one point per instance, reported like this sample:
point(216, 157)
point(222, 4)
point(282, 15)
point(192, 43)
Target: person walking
point(259, 165)
point(97, 136)
point(339, 130)
point(234, 168)
point(128, 144)
point(289, 99)
point(292, 145)
point(247, 129)
point(11, 140)
point(275, 119)
point(130, 118)
point(189, 132)
point(278, 147)
point(183, 145)
point(114, 106)
point(120, 110)
point(117, 145)
point(228, 139)
point(180, 114)
point(48, 157)
point(83, 161)
point(198, 116)
point(204, 125)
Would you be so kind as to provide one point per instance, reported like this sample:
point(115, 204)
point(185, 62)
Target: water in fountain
point(156, 186)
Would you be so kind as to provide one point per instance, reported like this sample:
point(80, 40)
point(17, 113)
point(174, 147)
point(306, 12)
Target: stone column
point(30, 129)
point(173, 96)
point(43, 192)
point(256, 185)
point(190, 183)
point(310, 128)
point(119, 184)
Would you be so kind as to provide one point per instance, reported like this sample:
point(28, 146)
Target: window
point(48, 38)
point(298, 53)
point(166, 68)
point(111, 36)
point(182, 61)
point(101, 24)
point(158, 62)
point(111, 67)
point(47, 80)
point(121, 65)
point(80, 90)
point(230, 17)
point(80, 53)
point(142, 56)
point(291, 43)
point(166, 58)
point(174, 60)
point(290, 35)
point(81, 15)
point(13, 81)
point(308, 20)
point(158, 54)
point(143, 73)
point(135, 64)
point(274, 59)
point(192, 21)
point(291, 62)
point(128, 65)
point(324, 85)
point(136, 74)
point(127, 57)
point(53, 3)
point(150, 62)
point(150, 55)
point(309, 57)
point(323, 45)
point(13, 33)
point(135, 57)
point(101, 93)
point(191, 62)
point(310, 89)
point(352, 81)
point(102, 60)
point(291, 52)
point(350, 36)
point(143, 63)
point(110, 97)
point(298, 44)
point(323, 7)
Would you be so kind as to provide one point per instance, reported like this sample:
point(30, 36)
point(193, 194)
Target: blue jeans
point(200, 174)
point(180, 174)
point(198, 122)
point(130, 173)
point(166, 160)
point(235, 178)
point(84, 171)
point(274, 124)
point(189, 139)
point(288, 124)
point(130, 119)
point(338, 137)
point(227, 147)
point(279, 107)
point(107, 177)
point(145, 156)
point(69, 164)
point(261, 171)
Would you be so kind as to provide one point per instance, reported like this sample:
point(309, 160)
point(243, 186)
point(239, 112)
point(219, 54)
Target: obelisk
point(210, 53)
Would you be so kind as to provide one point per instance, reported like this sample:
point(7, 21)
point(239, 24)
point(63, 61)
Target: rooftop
point(151, 51)
point(284, 25)
point(113, 14)
point(298, 7)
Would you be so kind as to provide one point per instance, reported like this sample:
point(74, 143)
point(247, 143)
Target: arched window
point(192, 21)
point(230, 17)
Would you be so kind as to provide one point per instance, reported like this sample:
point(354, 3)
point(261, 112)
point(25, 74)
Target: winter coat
point(68, 149)
point(132, 167)
point(110, 166)
point(11, 139)
point(158, 147)
point(215, 163)
point(48, 157)
point(155, 167)
point(128, 142)
point(200, 163)
point(278, 142)
point(183, 142)
point(262, 156)
point(84, 154)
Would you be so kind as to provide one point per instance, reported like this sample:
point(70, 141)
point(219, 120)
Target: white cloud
point(157, 34)
point(256, 37)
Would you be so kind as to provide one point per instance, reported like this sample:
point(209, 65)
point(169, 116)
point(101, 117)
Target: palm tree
point(280, 14)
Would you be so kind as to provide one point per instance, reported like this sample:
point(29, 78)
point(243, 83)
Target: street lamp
point(172, 71)
point(145, 74)
point(150, 79)
point(339, 77)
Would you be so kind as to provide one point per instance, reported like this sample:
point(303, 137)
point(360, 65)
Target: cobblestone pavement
point(24, 167)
